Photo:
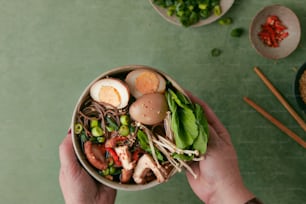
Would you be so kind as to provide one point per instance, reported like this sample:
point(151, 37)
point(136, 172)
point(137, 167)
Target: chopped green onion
point(83, 137)
point(125, 120)
point(203, 6)
point(105, 172)
point(78, 128)
point(215, 52)
point(111, 125)
point(112, 170)
point(94, 123)
point(124, 130)
point(237, 32)
point(225, 21)
point(217, 10)
point(101, 139)
point(97, 132)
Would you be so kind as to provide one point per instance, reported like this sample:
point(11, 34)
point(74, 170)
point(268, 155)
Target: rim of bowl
point(75, 140)
point(297, 92)
point(252, 30)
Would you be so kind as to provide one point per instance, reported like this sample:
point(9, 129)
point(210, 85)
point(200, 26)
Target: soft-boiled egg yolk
point(147, 82)
point(110, 95)
point(110, 91)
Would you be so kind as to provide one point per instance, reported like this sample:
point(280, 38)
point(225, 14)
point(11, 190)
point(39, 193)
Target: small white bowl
point(225, 6)
point(286, 46)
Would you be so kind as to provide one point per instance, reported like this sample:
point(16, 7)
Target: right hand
point(219, 179)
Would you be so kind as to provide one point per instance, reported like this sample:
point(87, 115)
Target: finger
point(66, 152)
point(215, 140)
point(212, 118)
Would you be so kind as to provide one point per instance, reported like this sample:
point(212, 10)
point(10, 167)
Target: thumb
point(66, 152)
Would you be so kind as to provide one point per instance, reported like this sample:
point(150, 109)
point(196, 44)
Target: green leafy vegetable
point(83, 137)
point(111, 124)
point(188, 122)
point(200, 142)
point(144, 144)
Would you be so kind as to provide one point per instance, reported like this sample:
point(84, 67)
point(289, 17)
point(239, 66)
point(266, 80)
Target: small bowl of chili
point(275, 32)
point(300, 87)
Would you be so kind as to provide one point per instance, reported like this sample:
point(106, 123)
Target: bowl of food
point(300, 87)
point(191, 13)
point(275, 32)
point(134, 127)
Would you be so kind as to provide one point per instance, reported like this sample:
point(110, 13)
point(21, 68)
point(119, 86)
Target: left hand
point(77, 186)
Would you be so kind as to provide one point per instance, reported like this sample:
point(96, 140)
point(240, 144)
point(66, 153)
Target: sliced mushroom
point(126, 175)
point(144, 165)
point(95, 155)
point(125, 157)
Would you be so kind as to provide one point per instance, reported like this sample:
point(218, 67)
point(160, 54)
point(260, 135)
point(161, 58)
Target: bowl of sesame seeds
point(300, 87)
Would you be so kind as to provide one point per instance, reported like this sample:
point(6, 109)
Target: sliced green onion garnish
point(78, 128)
point(97, 132)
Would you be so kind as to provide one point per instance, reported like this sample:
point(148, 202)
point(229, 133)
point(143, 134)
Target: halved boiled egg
point(145, 81)
point(110, 91)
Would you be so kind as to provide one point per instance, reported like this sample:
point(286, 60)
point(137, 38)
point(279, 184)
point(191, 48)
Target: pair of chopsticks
point(273, 120)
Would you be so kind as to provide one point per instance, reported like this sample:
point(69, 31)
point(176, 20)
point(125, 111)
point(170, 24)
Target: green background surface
point(51, 49)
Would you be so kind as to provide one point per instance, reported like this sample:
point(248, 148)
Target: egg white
point(117, 84)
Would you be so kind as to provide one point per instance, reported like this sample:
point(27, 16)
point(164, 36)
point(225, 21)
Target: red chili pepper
point(273, 31)
point(136, 154)
point(113, 154)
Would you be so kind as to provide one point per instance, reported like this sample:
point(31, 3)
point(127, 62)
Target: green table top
point(51, 49)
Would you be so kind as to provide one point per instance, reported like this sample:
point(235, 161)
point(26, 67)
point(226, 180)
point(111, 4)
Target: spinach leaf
point(188, 122)
point(200, 142)
point(144, 144)
point(174, 98)
point(182, 139)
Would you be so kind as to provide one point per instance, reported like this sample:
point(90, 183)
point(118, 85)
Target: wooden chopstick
point(276, 122)
point(281, 99)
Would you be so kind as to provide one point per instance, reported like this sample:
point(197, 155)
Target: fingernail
point(69, 131)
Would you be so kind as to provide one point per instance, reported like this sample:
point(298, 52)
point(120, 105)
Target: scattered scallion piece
point(215, 52)
point(225, 21)
point(237, 32)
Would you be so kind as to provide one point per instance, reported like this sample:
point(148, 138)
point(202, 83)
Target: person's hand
point(219, 179)
point(77, 186)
